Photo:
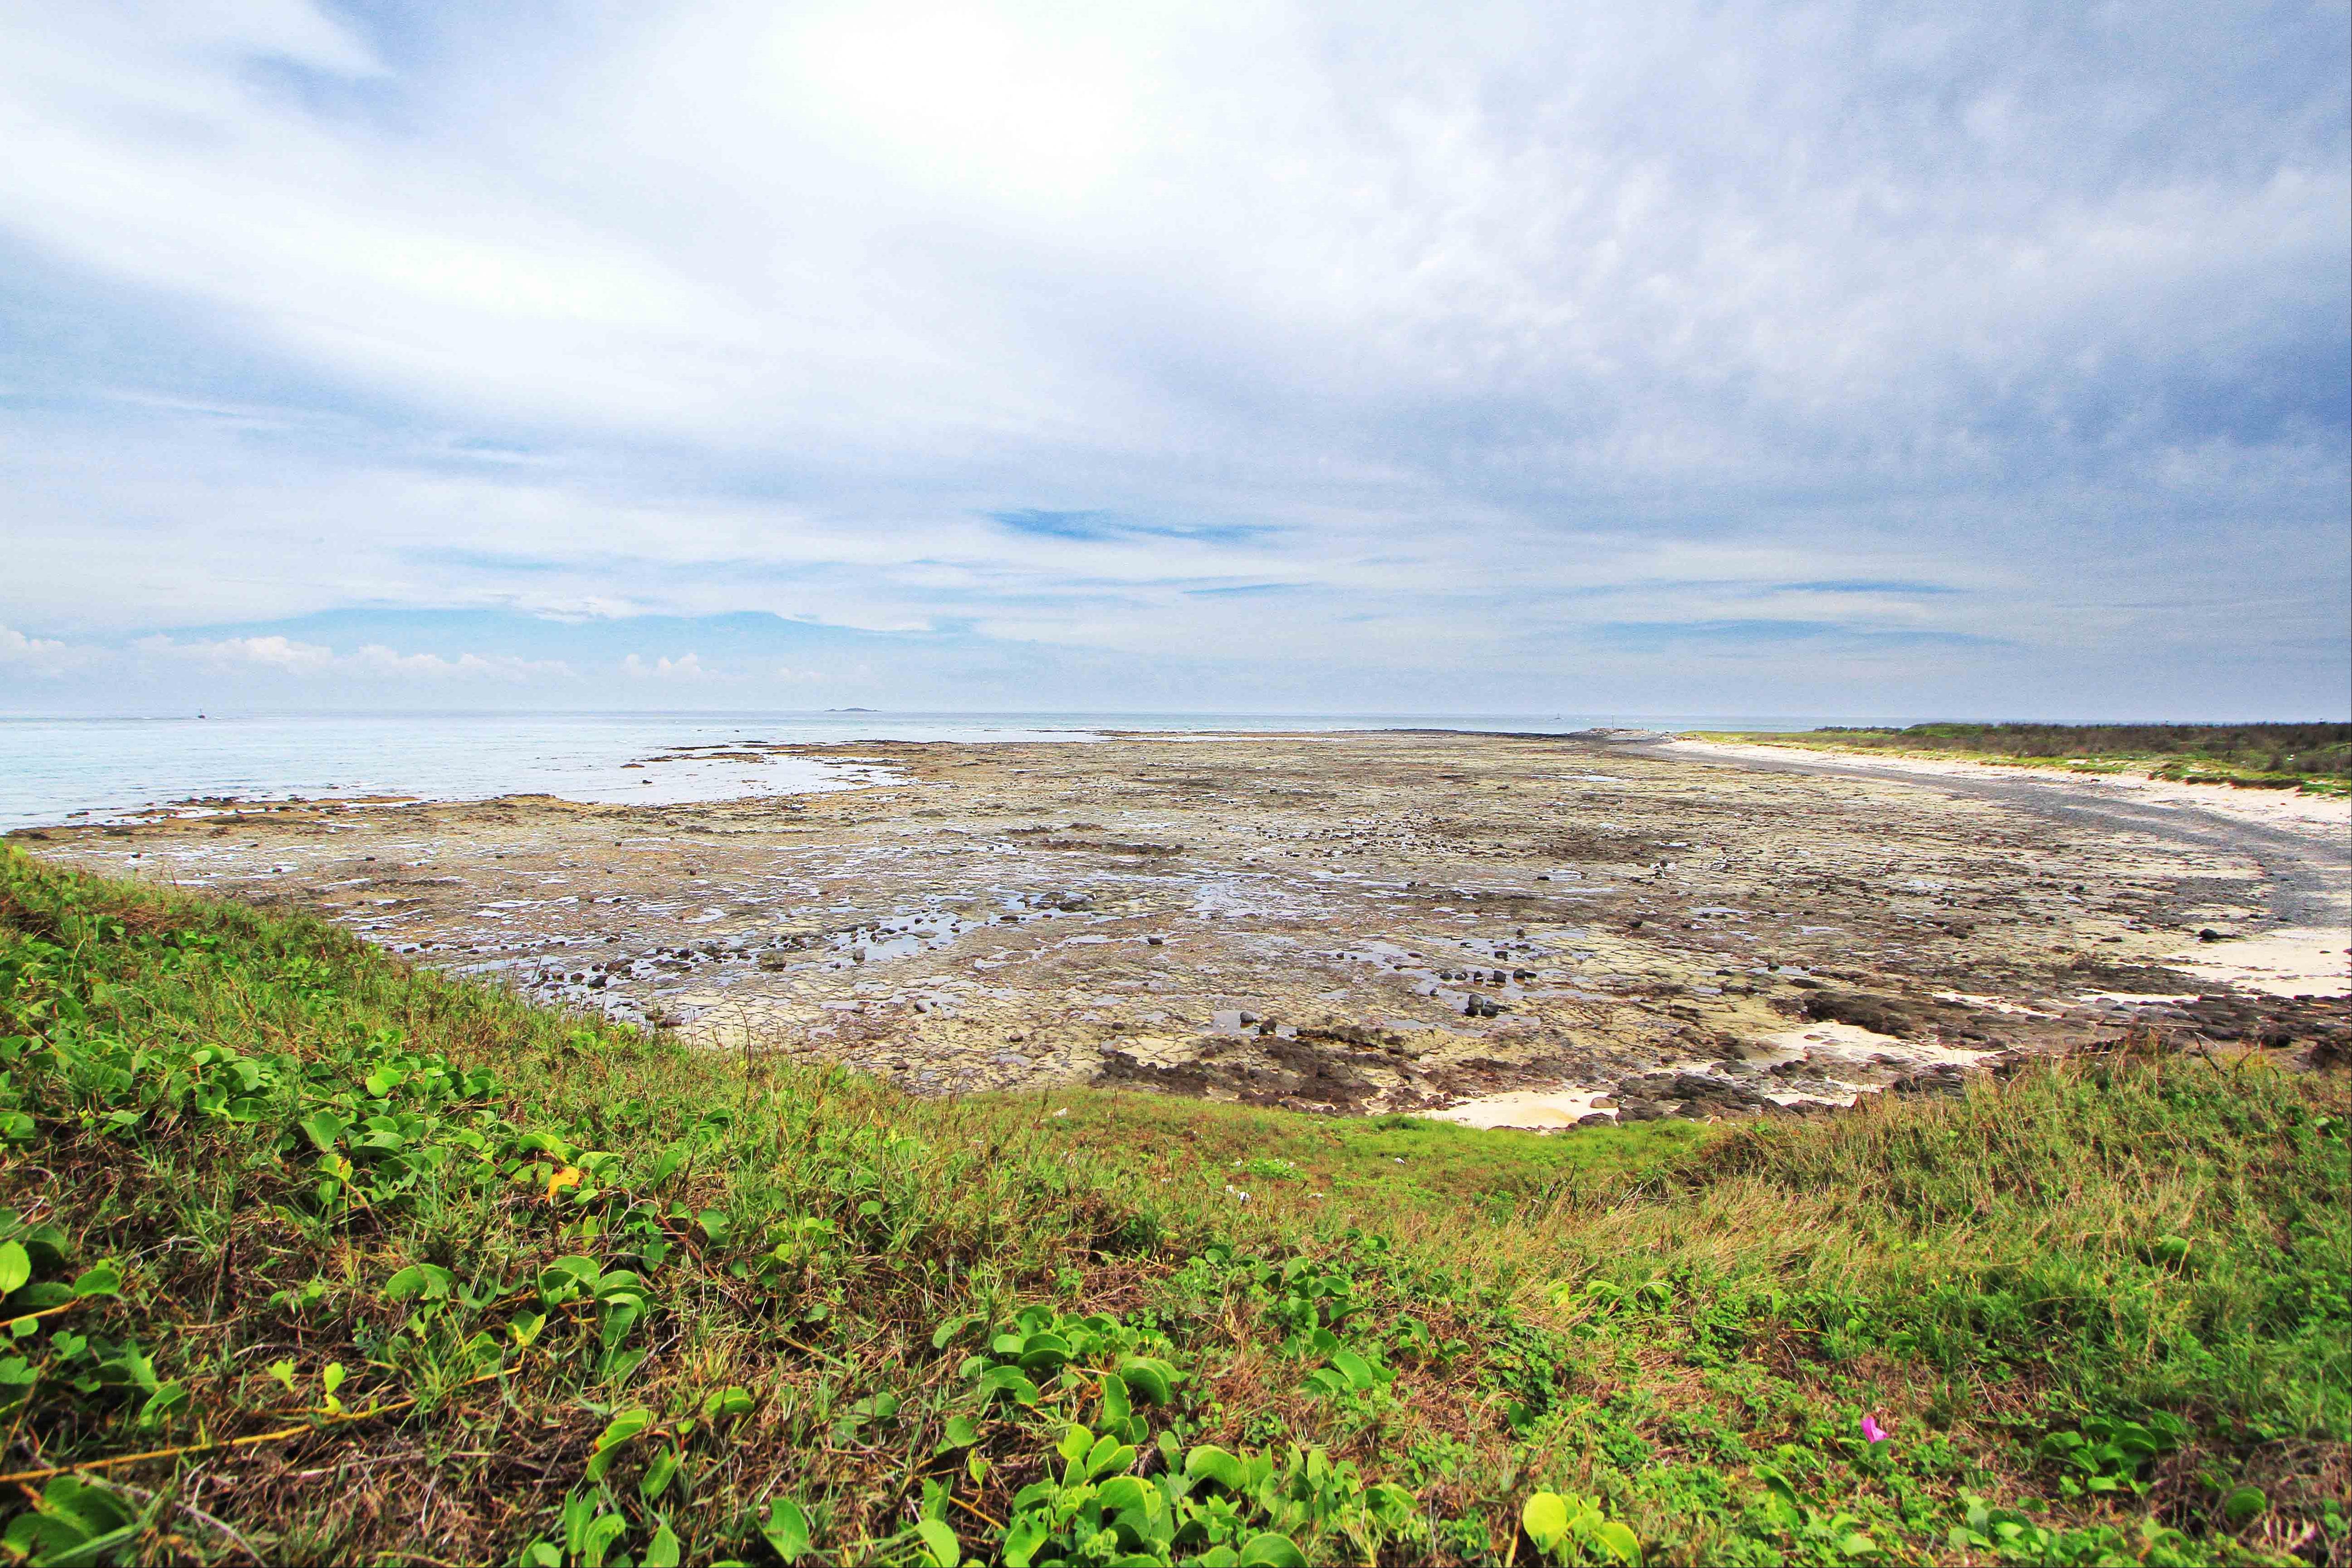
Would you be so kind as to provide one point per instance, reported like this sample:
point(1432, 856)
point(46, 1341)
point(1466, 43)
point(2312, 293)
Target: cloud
point(686, 666)
point(1751, 634)
point(1986, 326)
point(38, 655)
point(1894, 588)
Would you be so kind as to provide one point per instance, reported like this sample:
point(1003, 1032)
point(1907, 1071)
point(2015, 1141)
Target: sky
point(1969, 360)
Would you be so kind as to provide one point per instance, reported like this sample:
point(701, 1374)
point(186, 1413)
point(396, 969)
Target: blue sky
point(1977, 359)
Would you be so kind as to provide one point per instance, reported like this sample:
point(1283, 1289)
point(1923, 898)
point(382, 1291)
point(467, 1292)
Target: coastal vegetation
point(2315, 757)
point(312, 1256)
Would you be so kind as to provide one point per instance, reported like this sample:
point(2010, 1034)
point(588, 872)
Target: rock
point(1596, 1119)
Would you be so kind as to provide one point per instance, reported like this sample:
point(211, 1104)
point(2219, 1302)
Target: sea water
point(58, 770)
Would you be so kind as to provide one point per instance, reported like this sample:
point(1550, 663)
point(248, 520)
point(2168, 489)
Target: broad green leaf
point(1116, 1406)
point(1621, 1542)
point(166, 1398)
point(1022, 1538)
point(731, 1400)
point(787, 1530)
point(1211, 1463)
point(1124, 1492)
point(656, 1479)
point(661, 1551)
point(324, 1128)
point(1108, 1456)
point(1008, 1380)
point(1147, 1379)
point(2243, 1504)
point(940, 1542)
point(620, 1429)
point(1271, 1550)
point(1545, 1518)
point(962, 1433)
point(15, 1266)
point(598, 1538)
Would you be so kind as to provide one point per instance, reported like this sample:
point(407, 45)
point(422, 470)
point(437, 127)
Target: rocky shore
point(1514, 930)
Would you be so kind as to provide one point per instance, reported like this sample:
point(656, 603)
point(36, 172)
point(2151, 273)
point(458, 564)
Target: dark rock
point(1879, 1014)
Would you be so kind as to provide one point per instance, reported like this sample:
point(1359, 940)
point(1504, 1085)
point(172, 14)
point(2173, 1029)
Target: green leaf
point(1075, 1443)
point(1146, 1378)
point(1620, 1541)
point(620, 1429)
point(1022, 1538)
point(731, 1400)
point(962, 1433)
point(2243, 1504)
point(714, 1226)
point(419, 1280)
point(940, 1543)
point(1545, 1518)
point(1211, 1463)
point(656, 1479)
point(16, 1267)
point(661, 1551)
point(1115, 1405)
point(1124, 1492)
point(787, 1530)
point(598, 1538)
point(1008, 1380)
point(1107, 1455)
point(324, 1128)
point(1272, 1551)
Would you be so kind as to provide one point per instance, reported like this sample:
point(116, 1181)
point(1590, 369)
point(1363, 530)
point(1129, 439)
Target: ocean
point(56, 770)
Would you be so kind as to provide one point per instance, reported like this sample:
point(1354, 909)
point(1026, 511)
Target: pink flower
point(1872, 1431)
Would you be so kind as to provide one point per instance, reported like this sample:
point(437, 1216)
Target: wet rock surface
point(1504, 930)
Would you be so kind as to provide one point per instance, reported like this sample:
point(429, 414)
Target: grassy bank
point(2315, 757)
point(312, 1257)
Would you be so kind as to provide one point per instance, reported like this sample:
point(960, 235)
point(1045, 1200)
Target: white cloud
point(1494, 323)
point(38, 655)
point(686, 668)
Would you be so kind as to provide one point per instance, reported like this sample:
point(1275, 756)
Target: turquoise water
point(56, 770)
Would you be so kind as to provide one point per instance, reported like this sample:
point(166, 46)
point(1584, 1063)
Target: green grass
point(2314, 757)
point(354, 1263)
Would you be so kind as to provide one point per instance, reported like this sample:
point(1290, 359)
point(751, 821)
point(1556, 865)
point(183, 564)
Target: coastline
point(1356, 923)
